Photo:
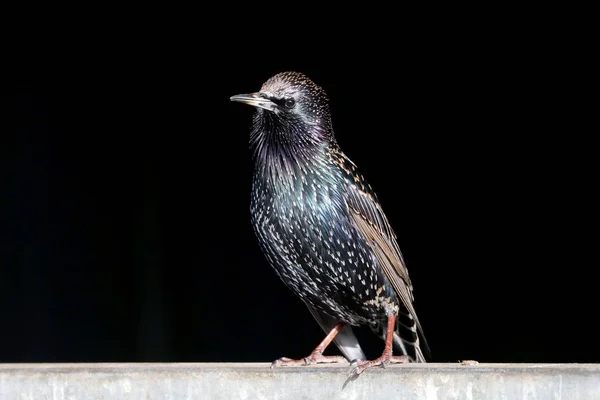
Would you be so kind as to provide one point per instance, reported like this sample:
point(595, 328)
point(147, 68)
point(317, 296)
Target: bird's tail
point(407, 339)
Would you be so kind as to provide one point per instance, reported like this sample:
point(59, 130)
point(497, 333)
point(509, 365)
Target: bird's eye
point(289, 103)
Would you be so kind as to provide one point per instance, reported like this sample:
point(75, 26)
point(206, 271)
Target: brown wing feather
point(388, 253)
point(372, 223)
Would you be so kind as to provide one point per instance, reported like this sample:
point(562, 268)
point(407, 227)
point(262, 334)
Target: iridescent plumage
point(321, 226)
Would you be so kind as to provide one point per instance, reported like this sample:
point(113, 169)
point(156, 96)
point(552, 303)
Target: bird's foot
point(384, 361)
point(310, 360)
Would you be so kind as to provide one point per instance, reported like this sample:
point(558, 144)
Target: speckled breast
point(306, 234)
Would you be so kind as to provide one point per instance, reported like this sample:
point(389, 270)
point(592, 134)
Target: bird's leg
point(386, 357)
point(316, 357)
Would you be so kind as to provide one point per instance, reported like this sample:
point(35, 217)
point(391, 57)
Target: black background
point(126, 181)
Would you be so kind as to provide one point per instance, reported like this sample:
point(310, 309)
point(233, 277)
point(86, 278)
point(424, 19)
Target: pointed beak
point(256, 100)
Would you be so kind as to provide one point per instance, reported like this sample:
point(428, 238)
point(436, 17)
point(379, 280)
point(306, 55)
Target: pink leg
point(386, 357)
point(316, 357)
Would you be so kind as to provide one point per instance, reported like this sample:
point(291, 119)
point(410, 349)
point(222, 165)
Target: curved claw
point(310, 360)
point(316, 357)
point(382, 361)
point(279, 361)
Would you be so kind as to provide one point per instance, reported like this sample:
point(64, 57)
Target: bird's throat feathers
point(285, 149)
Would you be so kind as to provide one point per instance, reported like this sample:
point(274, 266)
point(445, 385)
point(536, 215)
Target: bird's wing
point(344, 340)
point(371, 222)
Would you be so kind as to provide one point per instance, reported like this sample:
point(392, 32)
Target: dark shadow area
point(124, 211)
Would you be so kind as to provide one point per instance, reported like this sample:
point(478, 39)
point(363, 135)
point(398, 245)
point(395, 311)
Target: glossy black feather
point(318, 222)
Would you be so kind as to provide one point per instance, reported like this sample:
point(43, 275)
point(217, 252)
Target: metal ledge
point(257, 381)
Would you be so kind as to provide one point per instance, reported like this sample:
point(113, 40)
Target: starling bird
point(322, 228)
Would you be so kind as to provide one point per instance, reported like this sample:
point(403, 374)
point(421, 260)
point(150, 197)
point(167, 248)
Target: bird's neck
point(283, 158)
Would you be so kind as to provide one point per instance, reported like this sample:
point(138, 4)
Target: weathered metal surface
point(258, 381)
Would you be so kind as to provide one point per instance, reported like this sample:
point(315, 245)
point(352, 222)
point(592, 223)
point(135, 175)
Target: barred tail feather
point(406, 338)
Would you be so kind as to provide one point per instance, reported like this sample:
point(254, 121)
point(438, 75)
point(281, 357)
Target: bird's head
point(290, 109)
